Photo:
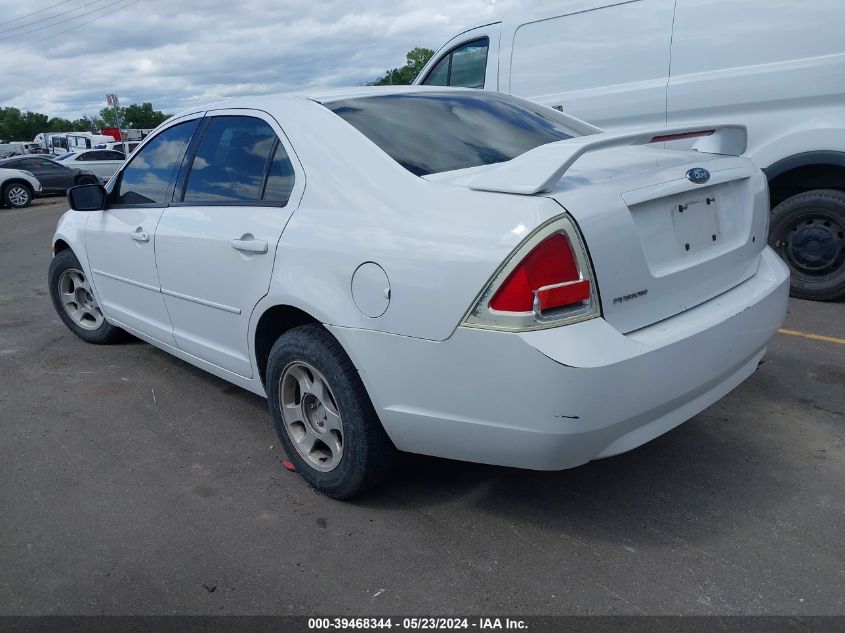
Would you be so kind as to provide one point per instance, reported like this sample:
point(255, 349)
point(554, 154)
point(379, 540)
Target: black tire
point(808, 232)
point(105, 333)
point(86, 180)
point(13, 193)
point(368, 455)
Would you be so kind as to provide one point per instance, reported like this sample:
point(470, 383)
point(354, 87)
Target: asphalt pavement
point(134, 483)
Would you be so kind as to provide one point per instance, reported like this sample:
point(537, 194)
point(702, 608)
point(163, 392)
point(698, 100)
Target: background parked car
point(54, 177)
point(775, 67)
point(103, 162)
point(18, 187)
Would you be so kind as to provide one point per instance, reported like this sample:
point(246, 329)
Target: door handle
point(139, 235)
point(248, 244)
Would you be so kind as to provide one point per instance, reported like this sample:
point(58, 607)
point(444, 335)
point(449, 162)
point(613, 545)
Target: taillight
point(547, 282)
point(548, 276)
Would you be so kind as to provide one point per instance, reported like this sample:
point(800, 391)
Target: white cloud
point(177, 53)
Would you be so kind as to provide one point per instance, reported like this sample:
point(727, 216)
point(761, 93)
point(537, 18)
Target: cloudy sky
point(61, 57)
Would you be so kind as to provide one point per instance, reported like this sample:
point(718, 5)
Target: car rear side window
point(147, 178)
point(231, 161)
point(432, 132)
point(280, 178)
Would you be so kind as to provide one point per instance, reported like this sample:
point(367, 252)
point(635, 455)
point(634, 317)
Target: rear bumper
point(558, 398)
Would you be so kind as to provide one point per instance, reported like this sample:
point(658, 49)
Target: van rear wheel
point(808, 232)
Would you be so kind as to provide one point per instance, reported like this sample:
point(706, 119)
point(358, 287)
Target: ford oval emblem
point(698, 175)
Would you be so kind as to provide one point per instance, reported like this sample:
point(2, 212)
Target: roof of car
point(14, 159)
point(327, 95)
point(320, 95)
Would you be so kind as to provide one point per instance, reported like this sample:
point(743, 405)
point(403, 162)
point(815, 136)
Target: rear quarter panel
point(439, 245)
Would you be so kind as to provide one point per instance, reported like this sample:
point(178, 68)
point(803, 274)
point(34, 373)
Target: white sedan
point(17, 187)
point(441, 271)
point(103, 162)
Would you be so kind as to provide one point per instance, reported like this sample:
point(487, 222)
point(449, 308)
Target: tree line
point(23, 126)
point(415, 60)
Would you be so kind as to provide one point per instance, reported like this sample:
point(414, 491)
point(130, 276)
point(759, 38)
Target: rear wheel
point(75, 304)
point(808, 232)
point(323, 415)
point(17, 195)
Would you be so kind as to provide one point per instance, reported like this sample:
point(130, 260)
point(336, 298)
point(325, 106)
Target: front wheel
point(323, 415)
point(17, 195)
point(74, 301)
point(808, 232)
point(86, 180)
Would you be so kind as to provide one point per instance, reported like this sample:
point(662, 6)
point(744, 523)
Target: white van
point(776, 66)
point(79, 141)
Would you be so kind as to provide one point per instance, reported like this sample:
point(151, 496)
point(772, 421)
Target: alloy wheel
point(78, 300)
point(311, 417)
point(18, 196)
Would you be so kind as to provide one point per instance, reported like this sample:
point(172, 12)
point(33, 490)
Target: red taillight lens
point(551, 263)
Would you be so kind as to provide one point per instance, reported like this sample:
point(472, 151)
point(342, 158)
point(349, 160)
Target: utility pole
point(113, 101)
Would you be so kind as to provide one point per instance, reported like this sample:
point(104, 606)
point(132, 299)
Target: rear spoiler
point(540, 168)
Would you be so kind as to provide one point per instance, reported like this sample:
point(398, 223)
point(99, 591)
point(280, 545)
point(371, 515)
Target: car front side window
point(147, 179)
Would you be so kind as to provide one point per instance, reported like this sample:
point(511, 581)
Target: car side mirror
point(87, 198)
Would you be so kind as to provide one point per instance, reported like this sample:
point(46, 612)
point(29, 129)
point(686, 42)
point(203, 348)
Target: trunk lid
point(660, 243)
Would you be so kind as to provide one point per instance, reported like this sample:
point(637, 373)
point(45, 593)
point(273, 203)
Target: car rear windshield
point(432, 132)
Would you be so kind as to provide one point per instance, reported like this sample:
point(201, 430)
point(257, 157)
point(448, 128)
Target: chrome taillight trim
point(480, 315)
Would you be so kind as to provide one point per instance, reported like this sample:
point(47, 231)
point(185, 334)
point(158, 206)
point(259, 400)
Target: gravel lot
point(133, 483)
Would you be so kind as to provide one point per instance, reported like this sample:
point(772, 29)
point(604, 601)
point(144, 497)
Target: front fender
point(71, 230)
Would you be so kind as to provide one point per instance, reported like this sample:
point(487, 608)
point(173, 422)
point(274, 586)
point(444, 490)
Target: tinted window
point(279, 178)
point(230, 161)
point(440, 75)
point(464, 66)
point(90, 156)
point(147, 178)
point(48, 164)
point(469, 65)
point(111, 155)
point(432, 132)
